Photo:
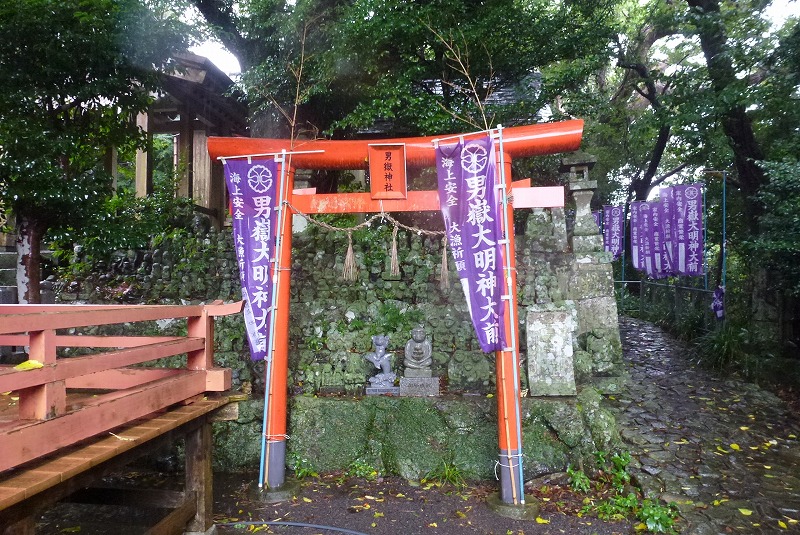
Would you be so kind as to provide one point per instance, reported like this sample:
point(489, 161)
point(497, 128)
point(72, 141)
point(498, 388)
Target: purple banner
point(598, 220)
point(613, 226)
point(688, 229)
point(467, 196)
point(667, 217)
point(646, 237)
point(637, 245)
point(718, 303)
point(252, 187)
point(657, 231)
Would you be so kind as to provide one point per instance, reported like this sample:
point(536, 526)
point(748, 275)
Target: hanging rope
point(394, 264)
point(350, 270)
point(444, 271)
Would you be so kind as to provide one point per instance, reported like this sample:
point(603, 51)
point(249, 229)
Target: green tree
point(411, 67)
point(703, 85)
point(279, 45)
point(777, 246)
point(73, 74)
point(438, 67)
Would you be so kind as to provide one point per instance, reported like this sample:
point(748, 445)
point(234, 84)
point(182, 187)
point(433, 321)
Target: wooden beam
point(101, 414)
point(18, 320)
point(345, 203)
point(218, 379)
point(363, 203)
point(518, 142)
point(63, 369)
point(24, 493)
point(121, 378)
point(176, 520)
point(139, 497)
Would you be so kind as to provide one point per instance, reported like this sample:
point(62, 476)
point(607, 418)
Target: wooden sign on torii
point(517, 142)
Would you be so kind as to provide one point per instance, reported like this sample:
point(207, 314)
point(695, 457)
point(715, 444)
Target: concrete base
point(526, 511)
point(419, 386)
point(383, 390)
point(287, 491)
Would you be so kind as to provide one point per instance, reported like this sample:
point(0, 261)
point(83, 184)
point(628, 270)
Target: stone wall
point(412, 436)
point(333, 320)
point(331, 325)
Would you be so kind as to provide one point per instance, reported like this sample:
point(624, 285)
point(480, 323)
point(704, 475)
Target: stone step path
point(726, 451)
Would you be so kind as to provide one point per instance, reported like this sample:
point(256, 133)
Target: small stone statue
point(418, 350)
point(382, 361)
point(418, 377)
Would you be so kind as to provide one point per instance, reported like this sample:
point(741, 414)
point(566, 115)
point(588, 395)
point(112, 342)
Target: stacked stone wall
point(331, 324)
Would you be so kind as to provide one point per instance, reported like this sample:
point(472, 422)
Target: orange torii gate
point(517, 142)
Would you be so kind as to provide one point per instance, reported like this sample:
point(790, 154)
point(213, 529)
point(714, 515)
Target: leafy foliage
point(447, 66)
point(124, 221)
point(735, 347)
point(301, 466)
point(446, 473)
point(361, 468)
point(612, 497)
point(578, 479)
point(72, 74)
point(777, 247)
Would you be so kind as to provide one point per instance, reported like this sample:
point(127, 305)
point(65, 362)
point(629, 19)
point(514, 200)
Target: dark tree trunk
point(734, 120)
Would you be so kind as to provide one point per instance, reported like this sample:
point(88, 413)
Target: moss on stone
point(331, 433)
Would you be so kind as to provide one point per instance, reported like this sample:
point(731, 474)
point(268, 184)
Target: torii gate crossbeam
point(524, 141)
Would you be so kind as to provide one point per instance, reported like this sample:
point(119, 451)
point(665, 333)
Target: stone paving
point(725, 451)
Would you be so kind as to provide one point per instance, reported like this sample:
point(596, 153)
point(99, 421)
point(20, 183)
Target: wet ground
point(725, 451)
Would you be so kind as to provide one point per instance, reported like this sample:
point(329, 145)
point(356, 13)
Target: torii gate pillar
point(533, 140)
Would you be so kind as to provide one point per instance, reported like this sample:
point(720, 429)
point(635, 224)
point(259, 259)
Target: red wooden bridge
point(68, 420)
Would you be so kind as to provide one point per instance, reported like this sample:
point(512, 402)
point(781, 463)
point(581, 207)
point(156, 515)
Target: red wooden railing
point(70, 399)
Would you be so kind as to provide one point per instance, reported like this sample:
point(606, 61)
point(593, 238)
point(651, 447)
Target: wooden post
point(48, 400)
point(144, 158)
point(201, 326)
point(199, 477)
point(185, 152)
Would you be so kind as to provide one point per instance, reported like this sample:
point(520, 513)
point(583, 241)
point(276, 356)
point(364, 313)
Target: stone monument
point(550, 330)
point(417, 378)
point(383, 381)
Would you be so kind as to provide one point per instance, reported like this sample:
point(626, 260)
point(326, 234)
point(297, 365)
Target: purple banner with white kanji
point(598, 220)
point(667, 218)
point(613, 228)
point(646, 238)
point(252, 186)
point(657, 232)
point(688, 236)
point(636, 239)
point(468, 200)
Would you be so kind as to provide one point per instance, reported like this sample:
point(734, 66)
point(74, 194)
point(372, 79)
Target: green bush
point(733, 347)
